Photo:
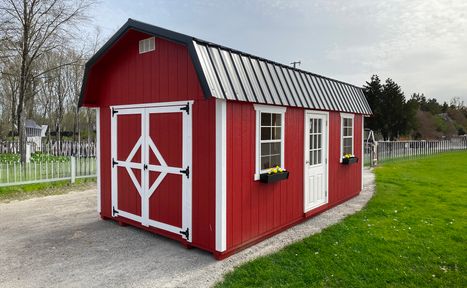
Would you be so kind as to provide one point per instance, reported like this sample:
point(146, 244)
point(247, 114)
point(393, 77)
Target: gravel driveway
point(59, 241)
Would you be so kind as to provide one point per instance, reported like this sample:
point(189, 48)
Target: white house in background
point(34, 133)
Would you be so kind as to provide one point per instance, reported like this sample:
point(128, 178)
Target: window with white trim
point(147, 45)
point(347, 134)
point(269, 138)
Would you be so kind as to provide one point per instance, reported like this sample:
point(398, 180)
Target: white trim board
point(362, 161)
point(221, 175)
point(98, 158)
point(151, 105)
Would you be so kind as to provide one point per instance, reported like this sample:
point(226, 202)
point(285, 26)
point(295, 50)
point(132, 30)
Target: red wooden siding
point(166, 202)
point(128, 133)
point(123, 76)
point(254, 209)
point(344, 180)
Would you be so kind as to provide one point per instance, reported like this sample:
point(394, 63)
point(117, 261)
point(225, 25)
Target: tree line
point(395, 117)
point(42, 56)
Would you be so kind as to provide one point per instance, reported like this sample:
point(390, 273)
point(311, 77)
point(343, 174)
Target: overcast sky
point(420, 44)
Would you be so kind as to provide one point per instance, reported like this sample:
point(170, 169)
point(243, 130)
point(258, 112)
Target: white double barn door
point(151, 162)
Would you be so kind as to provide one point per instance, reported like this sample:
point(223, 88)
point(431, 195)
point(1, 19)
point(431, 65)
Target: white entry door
point(151, 165)
point(316, 154)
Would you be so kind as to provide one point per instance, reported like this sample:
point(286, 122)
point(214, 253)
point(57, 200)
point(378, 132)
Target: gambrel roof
point(230, 74)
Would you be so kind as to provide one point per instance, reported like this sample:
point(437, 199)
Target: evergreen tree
point(392, 115)
point(373, 93)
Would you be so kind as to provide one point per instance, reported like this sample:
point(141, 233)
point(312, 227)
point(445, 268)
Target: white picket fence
point(381, 151)
point(55, 148)
point(16, 173)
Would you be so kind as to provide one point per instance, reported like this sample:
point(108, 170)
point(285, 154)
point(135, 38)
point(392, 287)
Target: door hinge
point(186, 233)
point(114, 212)
point(326, 193)
point(145, 166)
point(114, 112)
point(186, 108)
point(186, 172)
point(114, 163)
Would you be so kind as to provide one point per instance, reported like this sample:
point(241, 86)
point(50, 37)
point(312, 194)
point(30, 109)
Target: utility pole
point(295, 63)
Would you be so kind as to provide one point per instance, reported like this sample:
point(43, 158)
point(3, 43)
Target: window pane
point(347, 142)
point(265, 133)
point(311, 142)
point(265, 119)
point(347, 132)
point(346, 122)
point(275, 148)
point(320, 123)
point(276, 119)
point(311, 158)
point(276, 133)
point(318, 145)
point(347, 150)
point(276, 160)
point(265, 162)
point(311, 125)
point(319, 156)
point(265, 149)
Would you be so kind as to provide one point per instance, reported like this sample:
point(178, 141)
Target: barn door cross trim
point(147, 145)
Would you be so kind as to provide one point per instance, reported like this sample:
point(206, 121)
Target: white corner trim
point(221, 175)
point(269, 108)
point(362, 161)
point(98, 158)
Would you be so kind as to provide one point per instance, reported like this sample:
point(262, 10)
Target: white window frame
point(147, 45)
point(347, 116)
point(267, 109)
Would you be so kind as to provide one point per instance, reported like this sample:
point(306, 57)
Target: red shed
point(189, 130)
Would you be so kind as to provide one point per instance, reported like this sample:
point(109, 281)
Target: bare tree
point(74, 76)
point(29, 29)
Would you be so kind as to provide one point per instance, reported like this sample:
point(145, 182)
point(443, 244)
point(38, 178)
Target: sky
point(420, 44)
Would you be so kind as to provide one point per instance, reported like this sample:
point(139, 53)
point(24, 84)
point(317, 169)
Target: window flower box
point(349, 160)
point(274, 175)
point(271, 178)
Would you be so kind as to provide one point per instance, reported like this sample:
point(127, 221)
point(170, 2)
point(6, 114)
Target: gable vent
point(147, 45)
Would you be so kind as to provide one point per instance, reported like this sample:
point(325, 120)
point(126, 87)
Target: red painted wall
point(254, 209)
point(123, 76)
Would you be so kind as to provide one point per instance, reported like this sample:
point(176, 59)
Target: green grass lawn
point(22, 192)
point(413, 233)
